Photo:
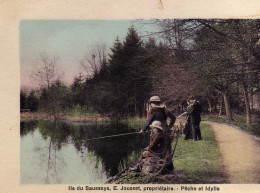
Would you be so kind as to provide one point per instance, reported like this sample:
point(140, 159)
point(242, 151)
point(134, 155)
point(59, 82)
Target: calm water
point(57, 152)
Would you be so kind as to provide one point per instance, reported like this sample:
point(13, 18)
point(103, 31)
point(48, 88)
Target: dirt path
point(240, 151)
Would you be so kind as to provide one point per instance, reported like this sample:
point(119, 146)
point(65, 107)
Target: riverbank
point(238, 121)
point(62, 117)
point(195, 162)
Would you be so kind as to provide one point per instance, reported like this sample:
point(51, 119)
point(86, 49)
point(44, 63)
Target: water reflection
point(56, 152)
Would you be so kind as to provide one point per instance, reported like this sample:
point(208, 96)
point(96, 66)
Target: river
point(58, 152)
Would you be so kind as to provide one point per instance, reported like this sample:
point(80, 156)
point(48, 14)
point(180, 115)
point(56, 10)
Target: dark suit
point(193, 122)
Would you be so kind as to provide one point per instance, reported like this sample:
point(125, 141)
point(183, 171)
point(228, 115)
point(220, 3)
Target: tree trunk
point(248, 113)
point(221, 106)
point(252, 102)
point(210, 106)
point(227, 107)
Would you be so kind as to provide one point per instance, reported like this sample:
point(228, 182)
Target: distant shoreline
point(45, 116)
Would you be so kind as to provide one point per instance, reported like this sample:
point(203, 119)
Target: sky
point(68, 40)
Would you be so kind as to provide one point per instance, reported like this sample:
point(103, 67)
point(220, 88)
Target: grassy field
point(199, 161)
point(195, 161)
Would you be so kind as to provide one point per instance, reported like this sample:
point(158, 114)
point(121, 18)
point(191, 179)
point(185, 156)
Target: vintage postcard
point(130, 97)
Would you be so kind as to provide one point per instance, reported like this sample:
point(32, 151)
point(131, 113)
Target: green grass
point(134, 122)
point(131, 158)
point(199, 161)
point(239, 121)
point(254, 129)
point(196, 161)
point(213, 118)
point(77, 111)
point(134, 178)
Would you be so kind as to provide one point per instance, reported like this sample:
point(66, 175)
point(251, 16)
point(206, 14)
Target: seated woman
point(155, 149)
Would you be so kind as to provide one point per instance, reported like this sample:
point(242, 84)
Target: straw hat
point(156, 124)
point(155, 99)
point(156, 102)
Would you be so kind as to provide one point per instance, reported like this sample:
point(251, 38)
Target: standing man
point(194, 110)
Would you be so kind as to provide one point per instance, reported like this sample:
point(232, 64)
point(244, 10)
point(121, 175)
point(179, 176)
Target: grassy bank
point(135, 123)
point(254, 129)
point(195, 161)
point(213, 118)
point(63, 117)
point(237, 121)
point(199, 161)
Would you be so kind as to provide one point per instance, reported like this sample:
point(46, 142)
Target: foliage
point(122, 87)
point(176, 83)
point(78, 111)
point(134, 122)
point(222, 54)
point(238, 121)
point(77, 91)
point(29, 100)
point(241, 123)
point(213, 60)
point(55, 99)
point(134, 178)
point(131, 158)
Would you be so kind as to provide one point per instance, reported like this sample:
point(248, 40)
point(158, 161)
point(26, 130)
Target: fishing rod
point(109, 136)
point(103, 137)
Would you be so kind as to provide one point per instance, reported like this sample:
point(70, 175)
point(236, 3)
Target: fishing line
point(110, 136)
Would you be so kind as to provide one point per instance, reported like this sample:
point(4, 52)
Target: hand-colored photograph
point(172, 101)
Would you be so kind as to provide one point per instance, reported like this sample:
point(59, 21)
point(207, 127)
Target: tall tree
point(236, 46)
point(77, 89)
point(46, 71)
point(54, 99)
point(95, 60)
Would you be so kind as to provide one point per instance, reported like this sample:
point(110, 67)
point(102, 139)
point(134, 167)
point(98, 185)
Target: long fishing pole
point(109, 136)
point(103, 137)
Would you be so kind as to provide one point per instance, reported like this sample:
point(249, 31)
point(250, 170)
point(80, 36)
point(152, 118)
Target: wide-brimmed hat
point(155, 99)
point(156, 124)
point(156, 102)
point(153, 105)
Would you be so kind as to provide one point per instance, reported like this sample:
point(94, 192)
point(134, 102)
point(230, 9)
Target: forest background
point(216, 61)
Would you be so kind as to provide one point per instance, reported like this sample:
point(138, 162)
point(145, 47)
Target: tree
point(77, 89)
point(237, 43)
point(33, 100)
point(23, 99)
point(95, 60)
point(47, 71)
point(123, 86)
point(174, 82)
point(54, 99)
point(237, 49)
point(212, 63)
